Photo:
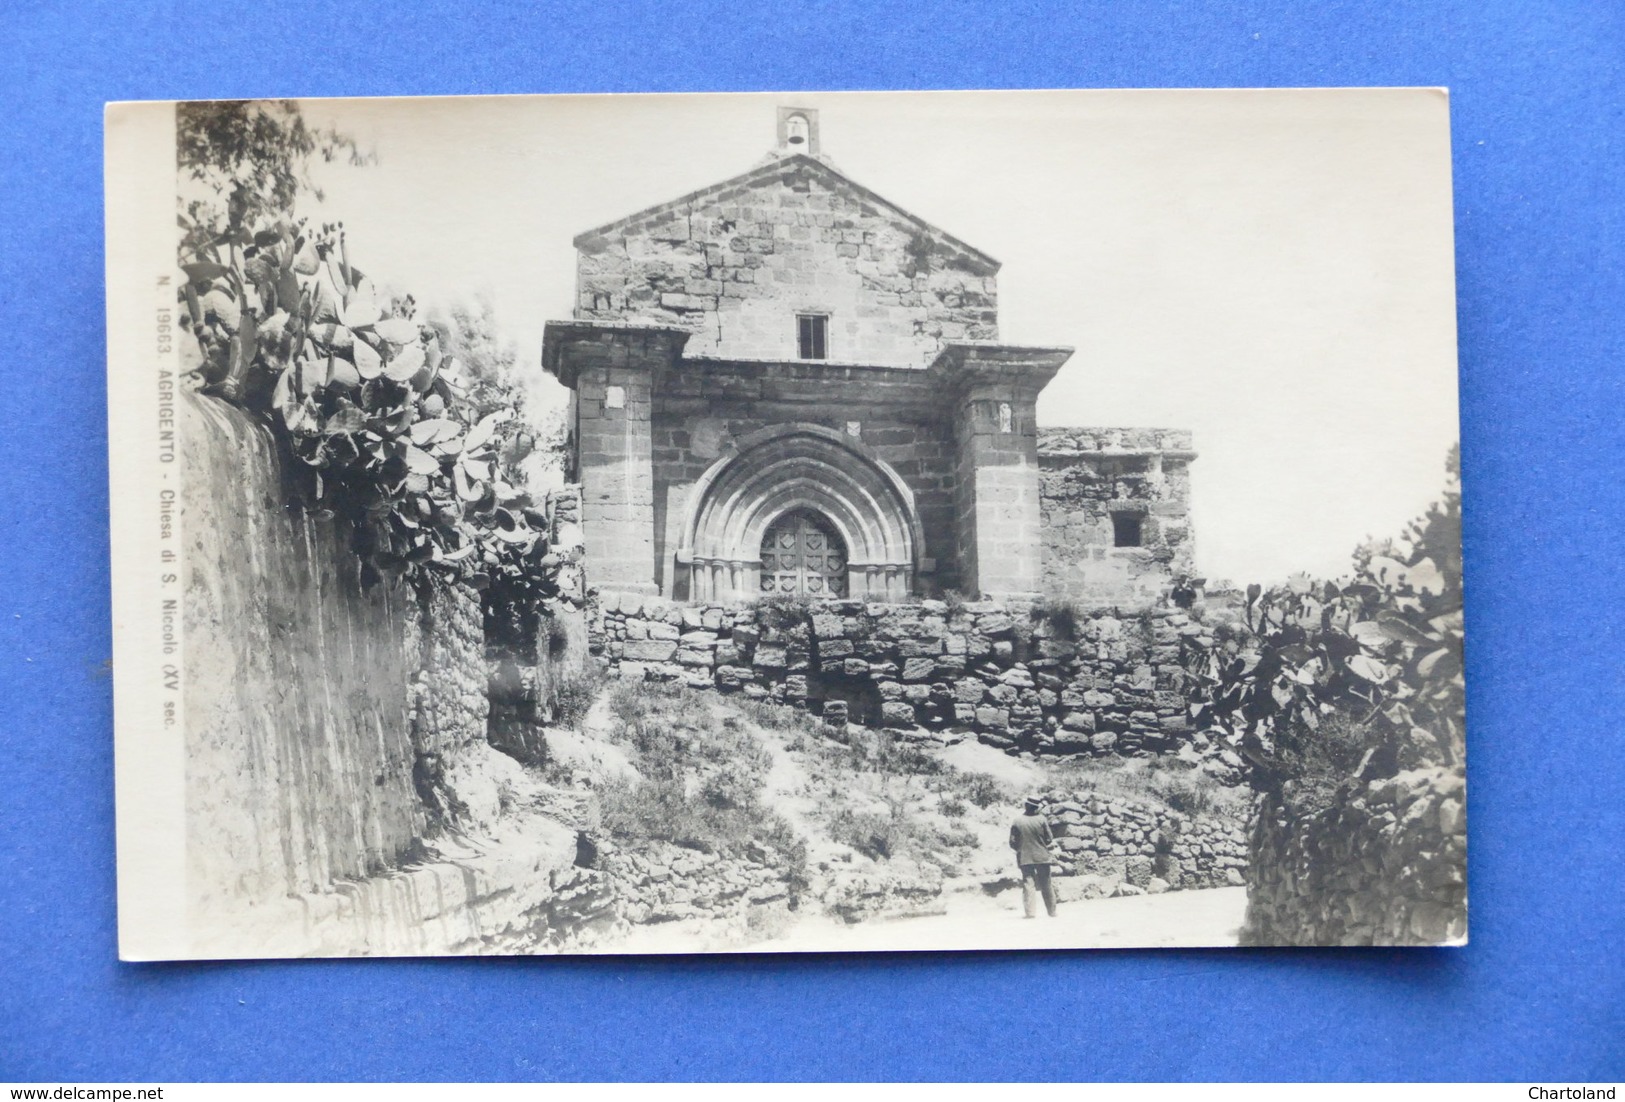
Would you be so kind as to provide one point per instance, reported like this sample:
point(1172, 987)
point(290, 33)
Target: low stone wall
point(1144, 846)
point(666, 883)
point(892, 889)
point(1086, 682)
point(1385, 864)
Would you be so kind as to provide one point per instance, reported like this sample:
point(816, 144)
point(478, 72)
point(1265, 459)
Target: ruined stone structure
point(785, 384)
point(1115, 513)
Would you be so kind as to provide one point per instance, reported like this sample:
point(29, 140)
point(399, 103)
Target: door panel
point(802, 557)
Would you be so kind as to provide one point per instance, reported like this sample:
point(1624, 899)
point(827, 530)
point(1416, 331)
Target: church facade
point(784, 384)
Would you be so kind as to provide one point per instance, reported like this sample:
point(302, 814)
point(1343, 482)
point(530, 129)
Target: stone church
point(786, 384)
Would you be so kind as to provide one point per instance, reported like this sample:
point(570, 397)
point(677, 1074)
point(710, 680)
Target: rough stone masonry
point(788, 344)
point(1060, 682)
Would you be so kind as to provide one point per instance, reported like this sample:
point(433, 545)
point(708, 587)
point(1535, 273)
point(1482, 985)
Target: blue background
point(1540, 171)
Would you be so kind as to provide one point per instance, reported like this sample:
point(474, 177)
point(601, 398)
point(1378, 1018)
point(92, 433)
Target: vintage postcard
point(713, 523)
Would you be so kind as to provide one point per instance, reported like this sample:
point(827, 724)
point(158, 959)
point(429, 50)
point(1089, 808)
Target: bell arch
point(811, 469)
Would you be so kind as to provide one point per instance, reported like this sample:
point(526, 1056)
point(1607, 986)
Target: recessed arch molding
point(799, 466)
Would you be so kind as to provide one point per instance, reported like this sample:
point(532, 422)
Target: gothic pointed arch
point(811, 470)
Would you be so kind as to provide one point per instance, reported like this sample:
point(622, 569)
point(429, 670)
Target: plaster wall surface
point(316, 708)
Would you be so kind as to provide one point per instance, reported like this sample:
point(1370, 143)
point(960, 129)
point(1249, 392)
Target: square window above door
point(812, 334)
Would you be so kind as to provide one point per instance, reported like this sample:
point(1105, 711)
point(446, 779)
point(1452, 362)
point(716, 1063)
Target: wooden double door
point(803, 557)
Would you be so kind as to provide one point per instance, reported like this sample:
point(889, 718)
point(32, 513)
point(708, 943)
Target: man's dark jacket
point(1030, 837)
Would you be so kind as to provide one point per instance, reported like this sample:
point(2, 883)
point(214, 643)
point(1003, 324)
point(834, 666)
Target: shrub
point(1194, 793)
point(776, 717)
point(874, 835)
point(1177, 785)
point(1063, 617)
point(632, 702)
point(657, 809)
point(703, 782)
point(731, 786)
point(572, 693)
point(783, 611)
point(894, 757)
point(982, 789)
point(353, 382)
point(1332, 674)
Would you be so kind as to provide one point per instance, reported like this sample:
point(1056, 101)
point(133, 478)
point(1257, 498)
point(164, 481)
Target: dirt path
point(1191, 919)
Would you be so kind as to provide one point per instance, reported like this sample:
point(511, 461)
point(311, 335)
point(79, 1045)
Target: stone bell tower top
point(798, 132)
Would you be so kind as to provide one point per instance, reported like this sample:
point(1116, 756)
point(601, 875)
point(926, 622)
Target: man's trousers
point(1035, 881)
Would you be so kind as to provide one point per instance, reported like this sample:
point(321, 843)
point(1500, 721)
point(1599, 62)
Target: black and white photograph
point(785, 522)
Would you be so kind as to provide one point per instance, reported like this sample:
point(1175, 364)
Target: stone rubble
point(667, 883)
point(1133, 843)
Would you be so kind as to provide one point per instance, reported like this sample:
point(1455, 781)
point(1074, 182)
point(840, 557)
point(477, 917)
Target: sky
point(1270, 269)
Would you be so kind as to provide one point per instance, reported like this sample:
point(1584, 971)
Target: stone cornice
point(834, 370)
point(559, 335)
point(961, 364)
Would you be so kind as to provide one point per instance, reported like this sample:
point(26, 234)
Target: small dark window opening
point(1125, 529)
point(811, 330)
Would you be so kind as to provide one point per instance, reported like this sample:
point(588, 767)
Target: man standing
point(1030, 837)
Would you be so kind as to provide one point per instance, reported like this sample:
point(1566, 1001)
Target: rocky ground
point(727, 825)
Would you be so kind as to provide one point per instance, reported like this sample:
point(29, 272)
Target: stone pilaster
point(994, 392)
point(613, 370)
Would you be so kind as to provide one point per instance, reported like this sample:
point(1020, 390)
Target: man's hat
point(1034, 803)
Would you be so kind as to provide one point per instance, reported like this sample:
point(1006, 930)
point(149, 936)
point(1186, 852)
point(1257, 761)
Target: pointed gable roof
point(781, 170)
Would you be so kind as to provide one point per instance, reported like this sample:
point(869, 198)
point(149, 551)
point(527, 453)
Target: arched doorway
point(846, 519)
point(803, 556)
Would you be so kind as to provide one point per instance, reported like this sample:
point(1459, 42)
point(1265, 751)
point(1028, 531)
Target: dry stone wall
point(666, 883)
point(449, 703)
point(1078, 682)
point(1139, 846)
point(1385, 864)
